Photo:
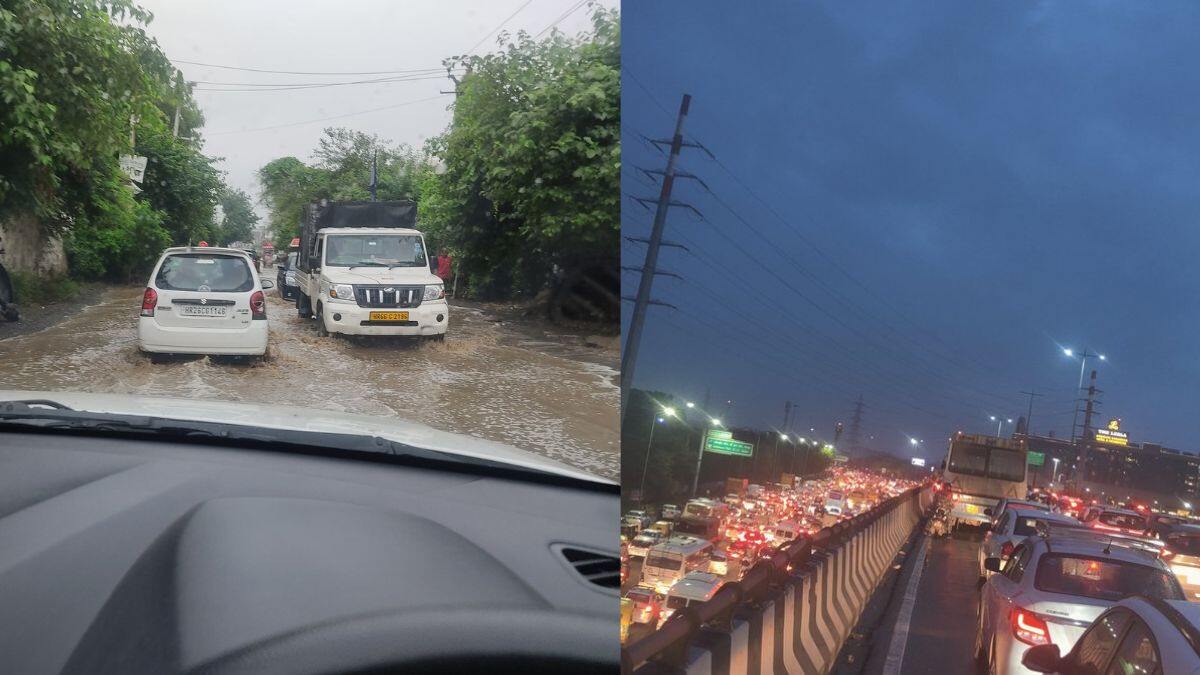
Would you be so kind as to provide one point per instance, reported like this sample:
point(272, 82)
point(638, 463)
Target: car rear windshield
point(675, 602)
point(1028, 527)
point(835, 495)
point(663, 562)
point(1185, 544)
point(204, 272)
point(1103, 579)
point(1124, 520)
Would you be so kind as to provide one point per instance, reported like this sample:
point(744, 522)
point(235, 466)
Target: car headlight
point(344, 292)
point(436, 292)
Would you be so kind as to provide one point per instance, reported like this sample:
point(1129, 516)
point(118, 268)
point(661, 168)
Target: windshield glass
point(1103, 579)
point(1123, 520)
point(1184, 544)
point(664, 562)
point(969, 459)
point(701, 510)
point(199, 272)
point(398, 250)
point(1007, 465)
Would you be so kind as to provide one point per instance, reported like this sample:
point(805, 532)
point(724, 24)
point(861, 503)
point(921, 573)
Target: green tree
point(532, 160)
point(240, 218)
point(342, 171)
point(180, 182)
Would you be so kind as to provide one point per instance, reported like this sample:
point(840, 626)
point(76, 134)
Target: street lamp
point(716, 422)
point(1054, 474)
point(654, 421)
point(691, 405)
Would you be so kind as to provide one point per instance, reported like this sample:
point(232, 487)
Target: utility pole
point(787, 416)
point(1087, 425)
point(855, 439)
point(650, 266)
point(1029, 417)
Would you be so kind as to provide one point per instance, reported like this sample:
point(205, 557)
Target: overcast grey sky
point(346, 36)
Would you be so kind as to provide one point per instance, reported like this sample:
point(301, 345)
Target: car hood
point(304, 419)
point(380, 275)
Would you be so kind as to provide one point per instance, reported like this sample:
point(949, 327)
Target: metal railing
point(669, 644)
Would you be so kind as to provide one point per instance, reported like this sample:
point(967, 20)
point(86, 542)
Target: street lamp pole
point(1054, 474)
point(654, 419)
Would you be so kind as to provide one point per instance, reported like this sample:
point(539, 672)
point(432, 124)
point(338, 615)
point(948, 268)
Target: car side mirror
point(1043, 659)
point(991, 564)
point(267, 284)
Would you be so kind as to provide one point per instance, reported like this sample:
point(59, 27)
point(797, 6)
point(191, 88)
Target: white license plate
point(200, 310)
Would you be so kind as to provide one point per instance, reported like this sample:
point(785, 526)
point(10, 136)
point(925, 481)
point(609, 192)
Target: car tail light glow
point(1006, 550)
point(258, 305)
point(149, 300)
point(1028, 628)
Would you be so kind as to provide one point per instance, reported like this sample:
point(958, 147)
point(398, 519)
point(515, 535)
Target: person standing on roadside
point(444, 264)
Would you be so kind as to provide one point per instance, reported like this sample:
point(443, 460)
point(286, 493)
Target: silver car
point(1138, 635)
point(1012, 526)
point(1051, 589)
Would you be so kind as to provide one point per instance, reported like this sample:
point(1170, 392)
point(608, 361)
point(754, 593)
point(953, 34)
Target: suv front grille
point(389, 296)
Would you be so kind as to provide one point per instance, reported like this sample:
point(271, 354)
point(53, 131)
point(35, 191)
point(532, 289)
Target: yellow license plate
point(389, 316)
point(972, 508)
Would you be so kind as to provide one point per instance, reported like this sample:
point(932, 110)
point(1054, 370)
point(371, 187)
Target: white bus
point(982, 470)
point(671, 560)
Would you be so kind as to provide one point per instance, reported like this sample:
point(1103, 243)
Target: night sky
point(937, 198)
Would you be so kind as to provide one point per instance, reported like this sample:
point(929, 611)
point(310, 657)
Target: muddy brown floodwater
point(510, 382)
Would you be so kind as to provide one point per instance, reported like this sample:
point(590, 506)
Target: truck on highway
point(982, 470)
point(736, 486)
point(670, 561)
point(364, 269)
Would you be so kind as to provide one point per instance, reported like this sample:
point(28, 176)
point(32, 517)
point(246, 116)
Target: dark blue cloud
point(998, 177)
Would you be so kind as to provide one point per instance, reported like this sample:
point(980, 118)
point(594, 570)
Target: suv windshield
point(1103, 579)
point(390, 250)
point(205, 272)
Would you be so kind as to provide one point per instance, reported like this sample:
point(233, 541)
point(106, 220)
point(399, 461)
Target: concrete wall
point(28, 249)
point(802, 627)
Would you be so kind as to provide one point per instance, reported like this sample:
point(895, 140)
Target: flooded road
point(497, 380)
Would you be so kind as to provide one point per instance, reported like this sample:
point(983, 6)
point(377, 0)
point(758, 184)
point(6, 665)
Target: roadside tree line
point(82, 83)
point(521, 189)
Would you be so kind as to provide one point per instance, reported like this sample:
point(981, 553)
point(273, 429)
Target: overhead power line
point(262, 88)
point(327, 119)
point(497, 28)
point(562, 17)
point(306, 72)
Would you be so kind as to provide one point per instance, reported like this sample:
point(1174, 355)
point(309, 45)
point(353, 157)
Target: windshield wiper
point(41, 414)
point(366, 263)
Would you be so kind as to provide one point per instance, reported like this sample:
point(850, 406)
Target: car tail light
point(1006, 550)
point(1028, 628)
point(955, 496)
point(258, 305)
point(149, 300)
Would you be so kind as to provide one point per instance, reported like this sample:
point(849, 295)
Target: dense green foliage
point(240, 218)
point(342, 172)
point(532, 160)
point(76, 78)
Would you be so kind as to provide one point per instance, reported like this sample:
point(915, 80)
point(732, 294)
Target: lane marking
point(895, 657)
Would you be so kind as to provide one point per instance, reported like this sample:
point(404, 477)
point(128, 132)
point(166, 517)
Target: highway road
point(932, 616)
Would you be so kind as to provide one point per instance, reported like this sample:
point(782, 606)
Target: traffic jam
point(1051, 564)
point(675, 555)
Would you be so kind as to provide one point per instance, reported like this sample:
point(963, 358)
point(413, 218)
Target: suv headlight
point(435, 292)
point(343, 292)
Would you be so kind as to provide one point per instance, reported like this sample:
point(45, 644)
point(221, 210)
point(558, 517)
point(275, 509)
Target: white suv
point(1138, 635)
point(203, 300)
point(1051, 590)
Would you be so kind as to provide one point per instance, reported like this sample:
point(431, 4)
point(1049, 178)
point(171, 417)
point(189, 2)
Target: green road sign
point(1035, 459)
point(722, 443)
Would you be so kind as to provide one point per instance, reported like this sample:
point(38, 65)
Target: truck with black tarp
point(364, 269)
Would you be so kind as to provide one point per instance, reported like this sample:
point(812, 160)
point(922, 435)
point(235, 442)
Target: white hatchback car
point(1051, 590)
point(203, 300)
point(1010, 527)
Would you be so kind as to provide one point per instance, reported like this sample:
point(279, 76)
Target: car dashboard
point(127, 556)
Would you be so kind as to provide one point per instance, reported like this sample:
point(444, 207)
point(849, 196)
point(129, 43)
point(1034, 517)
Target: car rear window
point(676, 602)
point(1124, 520)
point(1028, 527)
point(835, 495)
point(1186, 544)
point(205, 272)
point(1103, 579)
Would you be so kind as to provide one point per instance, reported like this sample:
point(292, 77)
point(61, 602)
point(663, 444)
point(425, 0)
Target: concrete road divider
point(789, 613)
